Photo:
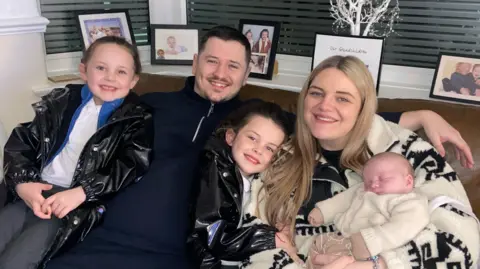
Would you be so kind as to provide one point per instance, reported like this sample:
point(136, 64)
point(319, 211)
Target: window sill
point(396, 81)
point(293, 81)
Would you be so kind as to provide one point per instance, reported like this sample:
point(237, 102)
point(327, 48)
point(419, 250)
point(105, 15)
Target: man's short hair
point(226, 33)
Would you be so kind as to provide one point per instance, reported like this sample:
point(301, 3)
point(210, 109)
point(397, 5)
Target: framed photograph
point(173, 44)
point(94, 24)
point(263, 37)
point(367, 49)
point(457, 78)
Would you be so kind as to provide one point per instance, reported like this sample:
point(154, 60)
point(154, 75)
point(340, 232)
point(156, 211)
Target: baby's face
point(476, 72)
point(171, 42)
point(387, 177)
point(464, 68)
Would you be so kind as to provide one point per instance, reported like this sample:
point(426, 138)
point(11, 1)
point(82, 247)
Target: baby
point(380, 210)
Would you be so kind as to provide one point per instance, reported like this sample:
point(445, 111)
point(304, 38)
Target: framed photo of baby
point(173, 44)
point(263, 38)
point(457, 78)
point(95, 24)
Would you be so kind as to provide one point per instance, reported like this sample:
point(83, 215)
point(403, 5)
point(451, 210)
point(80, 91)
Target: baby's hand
point(315, 217)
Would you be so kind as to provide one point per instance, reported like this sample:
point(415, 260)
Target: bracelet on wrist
point(374, 259)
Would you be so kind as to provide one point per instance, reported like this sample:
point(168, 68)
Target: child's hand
point(64, 202)
point(283, 241)
point(315, 217)
point(31, 194)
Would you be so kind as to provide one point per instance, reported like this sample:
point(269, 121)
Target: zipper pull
point(210, 110)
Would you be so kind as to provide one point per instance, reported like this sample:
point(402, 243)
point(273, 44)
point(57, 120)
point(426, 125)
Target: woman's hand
point(283, 241)
point(323, 261)
point(438, 131)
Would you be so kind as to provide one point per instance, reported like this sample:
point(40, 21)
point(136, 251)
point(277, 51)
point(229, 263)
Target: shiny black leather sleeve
point(130, 160)
point(227, 242)
point(224, 241)
point(22, 155)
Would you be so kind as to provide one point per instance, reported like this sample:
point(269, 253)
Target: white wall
point(168, 12)
point(22, 59)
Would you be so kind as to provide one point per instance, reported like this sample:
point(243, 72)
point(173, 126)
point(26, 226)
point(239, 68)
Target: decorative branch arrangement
point(378, 16)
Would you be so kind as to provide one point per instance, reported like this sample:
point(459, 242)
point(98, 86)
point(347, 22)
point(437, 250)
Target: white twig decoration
point(377, 16)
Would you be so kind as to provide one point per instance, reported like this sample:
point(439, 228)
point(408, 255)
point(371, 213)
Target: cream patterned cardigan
point(451, 240)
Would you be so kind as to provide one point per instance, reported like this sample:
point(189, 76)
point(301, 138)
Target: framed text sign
point(367, 49)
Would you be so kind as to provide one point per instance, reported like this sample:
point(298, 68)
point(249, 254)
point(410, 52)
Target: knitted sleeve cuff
point(393, 261)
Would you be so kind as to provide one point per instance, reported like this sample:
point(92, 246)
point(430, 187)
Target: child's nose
point(110, 76)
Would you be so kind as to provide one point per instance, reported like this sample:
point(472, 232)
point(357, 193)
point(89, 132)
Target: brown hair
point(287, 183)
point(120, 41)
point(242, 116)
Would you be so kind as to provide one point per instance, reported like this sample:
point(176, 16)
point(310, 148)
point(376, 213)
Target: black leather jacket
point(117, 155)
point(218, 206)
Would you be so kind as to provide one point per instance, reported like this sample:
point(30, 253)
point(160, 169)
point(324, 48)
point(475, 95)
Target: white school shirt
point(60, 171)
point(247, 183)
point(247, 191)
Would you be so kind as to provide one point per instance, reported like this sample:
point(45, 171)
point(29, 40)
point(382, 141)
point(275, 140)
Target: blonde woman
point(337, 131)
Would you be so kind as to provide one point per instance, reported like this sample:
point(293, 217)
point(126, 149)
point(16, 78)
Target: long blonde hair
point(287, 182)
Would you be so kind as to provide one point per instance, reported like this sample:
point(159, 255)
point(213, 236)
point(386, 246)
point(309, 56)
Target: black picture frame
point(360, 46)
point(188, 33)
point(119, 17)
point(448, 79)
point(256, 28)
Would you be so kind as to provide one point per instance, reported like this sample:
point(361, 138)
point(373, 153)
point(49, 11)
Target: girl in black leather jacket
point(225, 231)
point(86, 143)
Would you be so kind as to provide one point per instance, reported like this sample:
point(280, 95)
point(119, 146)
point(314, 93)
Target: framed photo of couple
point(367, 49)
point(94, 24)
point(263, 38)
point(457, 78)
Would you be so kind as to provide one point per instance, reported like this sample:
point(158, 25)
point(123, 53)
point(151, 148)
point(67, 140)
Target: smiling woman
point(331, 108)
point(336, 135)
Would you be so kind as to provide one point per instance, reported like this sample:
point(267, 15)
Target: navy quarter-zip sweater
point(146, 226)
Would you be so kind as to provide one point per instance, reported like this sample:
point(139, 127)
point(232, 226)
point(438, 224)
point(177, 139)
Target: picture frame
point(366, 48)
point(264, 49)
point(173, 44)
point(94, 24)
point(457, 78)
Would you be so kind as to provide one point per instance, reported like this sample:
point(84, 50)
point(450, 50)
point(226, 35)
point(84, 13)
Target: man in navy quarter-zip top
point(147, 225)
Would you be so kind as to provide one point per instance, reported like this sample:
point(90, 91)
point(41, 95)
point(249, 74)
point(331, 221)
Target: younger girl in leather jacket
point(86, 143)
point(225, 232)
